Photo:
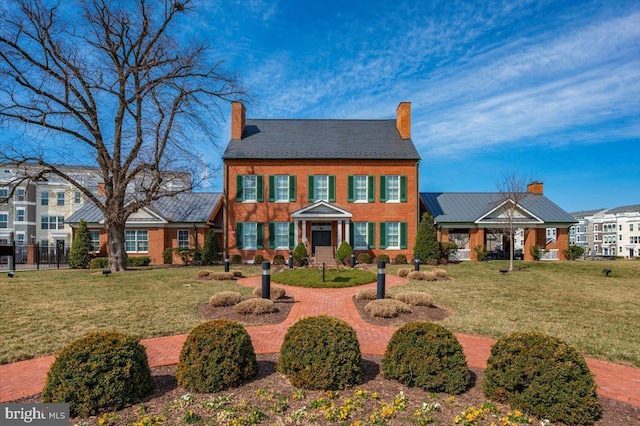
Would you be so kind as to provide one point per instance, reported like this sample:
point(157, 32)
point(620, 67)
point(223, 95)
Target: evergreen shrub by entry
point(427, 356)
point(99, 372)
point(321, 352)
point(543, 376)
point(215, 356)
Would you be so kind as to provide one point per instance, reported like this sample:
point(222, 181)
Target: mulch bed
point(284, 307)
point(418, 313)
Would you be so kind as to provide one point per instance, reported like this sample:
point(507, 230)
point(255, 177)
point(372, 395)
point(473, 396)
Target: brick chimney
point(403, 119)
point(535, 188)
point(237, 120)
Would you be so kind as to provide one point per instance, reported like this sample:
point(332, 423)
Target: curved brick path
point(27, 377)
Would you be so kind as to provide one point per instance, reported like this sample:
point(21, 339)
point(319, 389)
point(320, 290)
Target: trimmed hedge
point(255, 306)
point(132, 261)
point(321, 352)
point(216, 355)
point(99, 372)
point(427, 356)
point(543, 376)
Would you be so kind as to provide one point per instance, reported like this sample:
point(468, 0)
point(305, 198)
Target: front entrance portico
point(325, 223)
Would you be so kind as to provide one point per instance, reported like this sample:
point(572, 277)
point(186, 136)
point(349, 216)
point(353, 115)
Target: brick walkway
point(27, 377)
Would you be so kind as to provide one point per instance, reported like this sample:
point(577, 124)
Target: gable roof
point(320, 139)
point(625, 209)
point(185, 207)
point(469, 207)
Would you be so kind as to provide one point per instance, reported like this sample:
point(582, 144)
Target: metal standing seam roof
point(467, 207)
point(320, 139)
point(185, 207)
point(624, 209)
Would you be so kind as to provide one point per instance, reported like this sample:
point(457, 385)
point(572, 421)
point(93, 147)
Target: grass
point(333, 278)
point(40, 311)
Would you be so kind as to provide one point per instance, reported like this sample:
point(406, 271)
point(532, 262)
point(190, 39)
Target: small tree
point(573, 252)
point(426, 246)
point(80, 253)
point(344, 252)
point(210, 251)
point(300, 255)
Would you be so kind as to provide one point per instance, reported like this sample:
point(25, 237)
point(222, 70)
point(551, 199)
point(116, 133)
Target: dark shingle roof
point(623, 209)
point(185, 207)
point(321, 139)
point(467, 207)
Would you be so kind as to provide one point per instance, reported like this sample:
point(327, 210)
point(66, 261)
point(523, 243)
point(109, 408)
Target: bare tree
point(512, 191)
point(114, 85)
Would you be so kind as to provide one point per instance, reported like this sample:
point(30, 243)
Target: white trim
point(517, 223)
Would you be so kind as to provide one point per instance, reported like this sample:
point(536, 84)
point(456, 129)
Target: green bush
point(99, 372)
point(81, 250)
point(167, 256)
point(210, 250)
point(258, 259)
point(426, 246)
point(138, 261)
point(278, 259)
point(363, 258)
point(427, 356)
point(382, 258)
point(543, 376)
point(321, 353)
point(446, 249)
point(573, 252)
point(537, 252)
point(300, 257)
point(400, 259)
point(481, 252)
point(100, 263)
point(344, 252)
point(216, 355)
point(236, 259)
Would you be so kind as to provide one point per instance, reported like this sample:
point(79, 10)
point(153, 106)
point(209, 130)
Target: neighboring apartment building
point(320, 182)
point(612, 232)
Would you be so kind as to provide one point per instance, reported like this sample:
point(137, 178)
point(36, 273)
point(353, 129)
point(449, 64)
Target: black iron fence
point(32, 256)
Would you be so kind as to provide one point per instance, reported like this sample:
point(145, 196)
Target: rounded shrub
point(236, 259)
point(225, 298)
point(321, 352)
point(415, 298)
point(439, 273)
point(258, 259)
point(543, 376)
point(403, 272)
point(275, 293)
point(215, 356)
point(382, 258)
point(427, 356)
point(363, 258)
point(99, 372)
point(415, 275)
point(255, 306)
point(400, 259)
point(387, 308)
point(367, 294)
point(278, 259)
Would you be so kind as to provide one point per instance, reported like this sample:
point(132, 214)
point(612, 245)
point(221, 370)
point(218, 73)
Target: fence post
point(37, 256)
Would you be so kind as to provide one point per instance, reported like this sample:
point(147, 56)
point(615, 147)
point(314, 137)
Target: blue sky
point(548, 90)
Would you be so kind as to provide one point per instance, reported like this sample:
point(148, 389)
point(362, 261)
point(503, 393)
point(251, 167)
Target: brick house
point(320, 182)
point(178, 221)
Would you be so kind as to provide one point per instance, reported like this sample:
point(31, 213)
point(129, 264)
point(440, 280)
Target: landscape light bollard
point(290, 259)
point(226, 263)
point(416, 263)
point(380, 286)
point(323, 267)
point(353, 260)
point(266, 280)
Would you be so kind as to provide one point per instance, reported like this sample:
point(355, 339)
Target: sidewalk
point(27, 377)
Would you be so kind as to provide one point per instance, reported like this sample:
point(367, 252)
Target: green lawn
point(40, 311)
point(333, 278)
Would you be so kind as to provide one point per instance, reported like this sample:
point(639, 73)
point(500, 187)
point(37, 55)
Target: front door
point(320, 238)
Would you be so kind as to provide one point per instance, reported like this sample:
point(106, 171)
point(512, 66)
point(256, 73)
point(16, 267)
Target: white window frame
point(54, 222)
point(140, 240)
point(393, 233)
point(95, 240)
point(250, 235)
point(20, 238)
point(250, 188)
point(21, 194)
point(181, 240)
point(359, 236)
point(21, 211)
point(281, 239)
point(392, 184)
point(361, 189)
point(281, 190)
point(44, 198)
point(4, 192)
point(321, 188)
point(60, 199)
point(5, 221)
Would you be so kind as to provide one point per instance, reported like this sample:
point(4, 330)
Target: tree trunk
point(511, 250)
point(116, 248)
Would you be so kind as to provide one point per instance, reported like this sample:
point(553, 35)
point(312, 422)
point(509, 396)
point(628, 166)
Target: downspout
point(225, 208)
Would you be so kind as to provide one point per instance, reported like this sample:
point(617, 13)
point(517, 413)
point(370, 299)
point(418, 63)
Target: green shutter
point(260, 189)
point(332, 189)
point(292, 188)
point(352, 233)
point(272, 188)
point(403, 189)
point(403, 235)
point(350, 188)
point(239, 195)
point(383, 189)
point(371, 235)
point(383, 235)
point(371, 183)
point(260, 236)
point(292, 242)
point(239, 235)
point(311, 191)
point(272, 235)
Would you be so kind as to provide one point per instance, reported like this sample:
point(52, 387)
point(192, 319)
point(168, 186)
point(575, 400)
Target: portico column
point(296, 234)
point(339, 232)
point(347, 231)
point(304, 231)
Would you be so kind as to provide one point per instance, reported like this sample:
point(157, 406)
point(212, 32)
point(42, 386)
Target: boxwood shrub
point(321, 352)
point(543, 376)
point(99, 372)
point(427, 356)
point(215, 356)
